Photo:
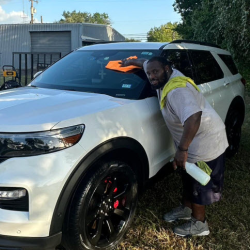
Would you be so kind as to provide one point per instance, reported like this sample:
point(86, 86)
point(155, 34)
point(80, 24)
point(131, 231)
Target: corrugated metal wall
point(17, 37)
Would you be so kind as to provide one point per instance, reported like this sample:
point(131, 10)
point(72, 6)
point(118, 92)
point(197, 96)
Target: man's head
point(158, 71)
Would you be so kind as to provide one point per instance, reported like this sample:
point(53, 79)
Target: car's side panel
point(220, 93)
point(132, 119)
point(163, 142)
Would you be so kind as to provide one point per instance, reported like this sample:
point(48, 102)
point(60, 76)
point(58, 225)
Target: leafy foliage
point(186, 8)
point(132, 40)
point(85, 17)
point(224, 22)
point(164, 33)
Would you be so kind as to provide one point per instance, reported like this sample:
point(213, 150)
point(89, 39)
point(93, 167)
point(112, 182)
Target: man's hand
point(126, 62)
point(132, 61)
point(180, 159)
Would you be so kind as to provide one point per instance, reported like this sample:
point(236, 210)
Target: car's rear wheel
point(233, 128)
point(103, 208)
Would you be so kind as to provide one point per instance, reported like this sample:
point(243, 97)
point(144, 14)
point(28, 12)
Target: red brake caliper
point(116, 204)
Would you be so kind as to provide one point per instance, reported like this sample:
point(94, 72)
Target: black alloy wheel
point(233, 128)
point(103, 208)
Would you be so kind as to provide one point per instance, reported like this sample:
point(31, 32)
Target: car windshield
point(84, 70)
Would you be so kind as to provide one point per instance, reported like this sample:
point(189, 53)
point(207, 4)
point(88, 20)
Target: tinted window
point(206, 67)
point(180, 61)
point(84, 70)
point(228, 60)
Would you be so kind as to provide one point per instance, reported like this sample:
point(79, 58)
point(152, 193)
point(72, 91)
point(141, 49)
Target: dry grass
point(229, 219)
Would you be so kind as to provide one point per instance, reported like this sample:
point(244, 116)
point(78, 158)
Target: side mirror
point(37, 74)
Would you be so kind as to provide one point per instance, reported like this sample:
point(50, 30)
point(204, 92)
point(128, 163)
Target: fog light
point(12, 194)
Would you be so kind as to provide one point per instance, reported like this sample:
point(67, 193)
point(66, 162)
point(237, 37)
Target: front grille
point(21, 204)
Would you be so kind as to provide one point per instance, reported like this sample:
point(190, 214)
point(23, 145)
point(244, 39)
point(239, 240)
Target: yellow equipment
point(10, 71)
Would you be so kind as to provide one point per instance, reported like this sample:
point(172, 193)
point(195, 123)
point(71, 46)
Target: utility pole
point(32, 11)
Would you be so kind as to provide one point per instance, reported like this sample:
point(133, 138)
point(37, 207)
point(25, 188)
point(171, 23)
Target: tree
point(85, 17)
point(164, 33)
point(224, 22)
point(132, 40)
point(186, 9)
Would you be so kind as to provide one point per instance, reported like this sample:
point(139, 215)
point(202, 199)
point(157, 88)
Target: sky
point(131, 18)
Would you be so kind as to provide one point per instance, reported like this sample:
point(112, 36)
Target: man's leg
point(198, 211)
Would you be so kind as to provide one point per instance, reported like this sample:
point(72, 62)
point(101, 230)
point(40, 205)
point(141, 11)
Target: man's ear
point(167, 68)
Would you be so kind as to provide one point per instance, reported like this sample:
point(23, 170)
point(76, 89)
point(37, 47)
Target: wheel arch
point(122, 148)
point(239, 104)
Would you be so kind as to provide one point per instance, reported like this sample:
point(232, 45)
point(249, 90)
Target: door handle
point(226, 83)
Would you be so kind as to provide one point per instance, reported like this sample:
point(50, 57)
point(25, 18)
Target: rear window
point(206, 67)
point(180, 61)
point(228, 60)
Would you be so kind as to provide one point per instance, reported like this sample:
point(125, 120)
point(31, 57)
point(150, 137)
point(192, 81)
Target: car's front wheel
point(103, 208)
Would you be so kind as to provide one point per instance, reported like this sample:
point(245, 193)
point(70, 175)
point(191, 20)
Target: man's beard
point(161, 83)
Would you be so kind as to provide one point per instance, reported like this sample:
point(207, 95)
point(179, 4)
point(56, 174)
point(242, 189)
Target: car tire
point(103, 208)
point(233, 124)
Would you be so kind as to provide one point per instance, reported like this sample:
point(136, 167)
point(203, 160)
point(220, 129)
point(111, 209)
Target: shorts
point(194, 192)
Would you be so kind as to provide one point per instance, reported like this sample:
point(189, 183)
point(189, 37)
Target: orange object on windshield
point(116, 65)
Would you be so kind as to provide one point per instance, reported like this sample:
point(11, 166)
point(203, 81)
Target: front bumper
point(30, 243)
point(44, 177)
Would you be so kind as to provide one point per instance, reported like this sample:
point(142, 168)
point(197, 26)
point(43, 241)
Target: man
point(199, 135)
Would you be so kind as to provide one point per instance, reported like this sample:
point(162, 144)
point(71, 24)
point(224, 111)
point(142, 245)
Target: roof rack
point(197, 42)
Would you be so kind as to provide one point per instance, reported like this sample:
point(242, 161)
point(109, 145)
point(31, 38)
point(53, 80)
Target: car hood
point(30, 109)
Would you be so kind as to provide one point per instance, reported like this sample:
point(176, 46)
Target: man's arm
point(135, 62)
point(191, 127)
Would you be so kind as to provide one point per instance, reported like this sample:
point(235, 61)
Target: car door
point(211, 80)
point(233, 86)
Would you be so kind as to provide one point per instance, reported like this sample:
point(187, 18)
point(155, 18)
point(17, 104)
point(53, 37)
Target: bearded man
point(199, 135)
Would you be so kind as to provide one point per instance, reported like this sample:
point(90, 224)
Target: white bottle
point(198, 174)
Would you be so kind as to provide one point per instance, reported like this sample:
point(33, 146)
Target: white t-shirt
point(210, 140)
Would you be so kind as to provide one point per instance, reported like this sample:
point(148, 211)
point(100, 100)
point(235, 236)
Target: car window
point(180, 61)
point(228, 60)
point(84, 70)
point(206, 67)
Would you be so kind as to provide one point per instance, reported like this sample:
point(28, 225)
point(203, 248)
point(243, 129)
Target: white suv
point(76, 143)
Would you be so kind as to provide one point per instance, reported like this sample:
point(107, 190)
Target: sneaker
point(179, 213)
point(192, 228)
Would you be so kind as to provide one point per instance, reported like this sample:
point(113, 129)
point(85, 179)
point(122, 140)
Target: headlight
point(12, 194)
point(27, 144)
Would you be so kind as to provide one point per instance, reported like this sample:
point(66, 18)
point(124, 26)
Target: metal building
point(52, 37)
